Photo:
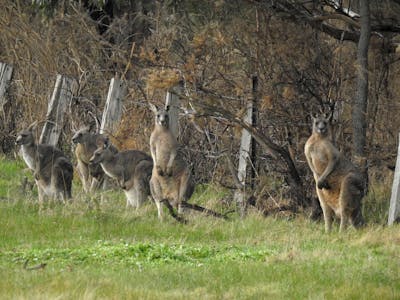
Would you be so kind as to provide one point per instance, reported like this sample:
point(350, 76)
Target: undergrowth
point(91, 249)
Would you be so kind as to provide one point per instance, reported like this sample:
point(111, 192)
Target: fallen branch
point(204, 210)
point(37, 267)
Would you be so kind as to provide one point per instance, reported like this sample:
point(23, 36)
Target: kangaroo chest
point(28, 158)
point(319, 157)
point(164, 144)
point(107, 171)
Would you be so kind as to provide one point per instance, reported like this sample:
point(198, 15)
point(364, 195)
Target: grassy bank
point(79, 251)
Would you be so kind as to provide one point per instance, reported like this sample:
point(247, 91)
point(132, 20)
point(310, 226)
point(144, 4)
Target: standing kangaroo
point(339, 184)
point(171, 182)
point(91, 175)
point(53, 171)
point(131, 169)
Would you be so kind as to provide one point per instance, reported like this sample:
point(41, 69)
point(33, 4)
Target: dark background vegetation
point(303, 53)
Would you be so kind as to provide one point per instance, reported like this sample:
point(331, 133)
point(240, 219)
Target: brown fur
point(339, 184)
point(171, 181)
point(91, 175)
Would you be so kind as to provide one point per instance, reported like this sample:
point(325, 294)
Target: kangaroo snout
point(18, 140)
point(92, 160)
point(163, 122)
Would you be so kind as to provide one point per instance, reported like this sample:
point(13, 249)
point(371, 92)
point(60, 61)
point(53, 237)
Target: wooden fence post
point(5, 79)
point(394, 209)
point(64, 90)
point(113, 110)
point(246, 151)
point(245, 144)
point(172, 101)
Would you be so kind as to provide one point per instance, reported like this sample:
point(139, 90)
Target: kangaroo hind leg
point(326, 210)
point(351, 193)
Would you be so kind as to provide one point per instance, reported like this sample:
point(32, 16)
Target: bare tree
point(361, 100)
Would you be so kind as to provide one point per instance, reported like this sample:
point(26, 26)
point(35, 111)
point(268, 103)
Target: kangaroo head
point(102, 152)
point(161, 114)
point(26, 136)
point(81, 136)
point(321, 123)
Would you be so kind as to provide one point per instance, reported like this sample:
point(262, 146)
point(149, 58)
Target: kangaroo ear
point(100, 141)
point(313, 116)
point(328, 116)
point(153, 108)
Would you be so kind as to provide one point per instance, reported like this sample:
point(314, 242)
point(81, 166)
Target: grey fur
point(131, 169)
point(53, 171)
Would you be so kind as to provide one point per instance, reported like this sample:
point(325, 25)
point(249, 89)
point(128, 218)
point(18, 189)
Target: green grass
point(11, 176)
point(107, 252)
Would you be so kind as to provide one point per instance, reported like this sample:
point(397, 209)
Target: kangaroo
point(339, 183)
point(131, 169)
point(52, 170)
point(171, 182)
point(91, 175)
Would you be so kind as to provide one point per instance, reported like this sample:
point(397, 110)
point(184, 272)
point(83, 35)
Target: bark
point(359, 112)
point(253, 153)
point(318, 17)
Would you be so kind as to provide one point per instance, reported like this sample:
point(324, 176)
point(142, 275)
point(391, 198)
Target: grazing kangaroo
point(131, 169)
point(53, 171)
point(171, 181)
point(91, 175)
point(339, 184)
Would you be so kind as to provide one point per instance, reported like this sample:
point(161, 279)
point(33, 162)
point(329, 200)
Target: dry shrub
point(39, 49)
point(135, 128)
point(216, 50)
point(162, 79)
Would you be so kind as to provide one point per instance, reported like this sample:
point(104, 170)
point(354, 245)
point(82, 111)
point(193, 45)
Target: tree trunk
point(253, 153)
point(361, 100)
